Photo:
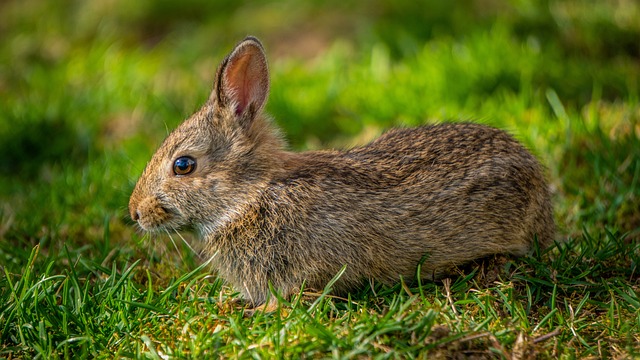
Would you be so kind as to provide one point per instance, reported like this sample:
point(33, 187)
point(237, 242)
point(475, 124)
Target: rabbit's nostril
point(135, 215)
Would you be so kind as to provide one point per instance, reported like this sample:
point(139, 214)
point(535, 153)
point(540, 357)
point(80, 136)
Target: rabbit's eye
point(184, 165)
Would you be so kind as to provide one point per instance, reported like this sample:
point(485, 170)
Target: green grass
point(89, 89)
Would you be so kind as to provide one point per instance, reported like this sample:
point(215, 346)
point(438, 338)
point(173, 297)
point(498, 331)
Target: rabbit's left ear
point(242, 80)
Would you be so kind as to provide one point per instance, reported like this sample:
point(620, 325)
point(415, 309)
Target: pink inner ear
point(243, 96)
point(247, 79)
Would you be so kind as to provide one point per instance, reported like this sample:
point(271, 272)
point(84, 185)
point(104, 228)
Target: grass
point(89, 89)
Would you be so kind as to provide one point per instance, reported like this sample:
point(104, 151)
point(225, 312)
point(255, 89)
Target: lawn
point(89, 89)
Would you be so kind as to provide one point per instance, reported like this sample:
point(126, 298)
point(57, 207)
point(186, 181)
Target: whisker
point(148, 242)
point(145, 242)
point(157, 250)
point(186, 242)
point(174, 245)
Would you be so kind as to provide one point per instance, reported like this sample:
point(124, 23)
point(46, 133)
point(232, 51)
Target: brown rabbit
point(449, 193)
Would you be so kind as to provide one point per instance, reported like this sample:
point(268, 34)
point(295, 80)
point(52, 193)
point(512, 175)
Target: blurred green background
point(88, 89)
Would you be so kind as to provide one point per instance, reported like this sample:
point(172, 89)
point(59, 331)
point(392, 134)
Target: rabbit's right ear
point(242, 81)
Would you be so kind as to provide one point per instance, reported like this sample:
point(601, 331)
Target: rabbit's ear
point(242, 80)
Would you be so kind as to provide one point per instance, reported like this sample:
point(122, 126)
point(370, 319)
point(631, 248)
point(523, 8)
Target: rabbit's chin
point(230, 216)
point(213, 227)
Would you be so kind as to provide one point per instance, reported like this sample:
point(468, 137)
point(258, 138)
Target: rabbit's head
point(209, 167)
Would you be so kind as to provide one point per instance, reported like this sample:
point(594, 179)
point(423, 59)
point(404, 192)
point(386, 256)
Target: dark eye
point(184, 165)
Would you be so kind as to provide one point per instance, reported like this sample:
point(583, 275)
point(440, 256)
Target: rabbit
point(436, 195)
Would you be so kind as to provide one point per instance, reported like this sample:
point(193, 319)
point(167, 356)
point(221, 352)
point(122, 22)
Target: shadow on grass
point(26, 147)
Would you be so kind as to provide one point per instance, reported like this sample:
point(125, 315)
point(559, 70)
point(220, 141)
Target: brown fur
point(450, 193)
